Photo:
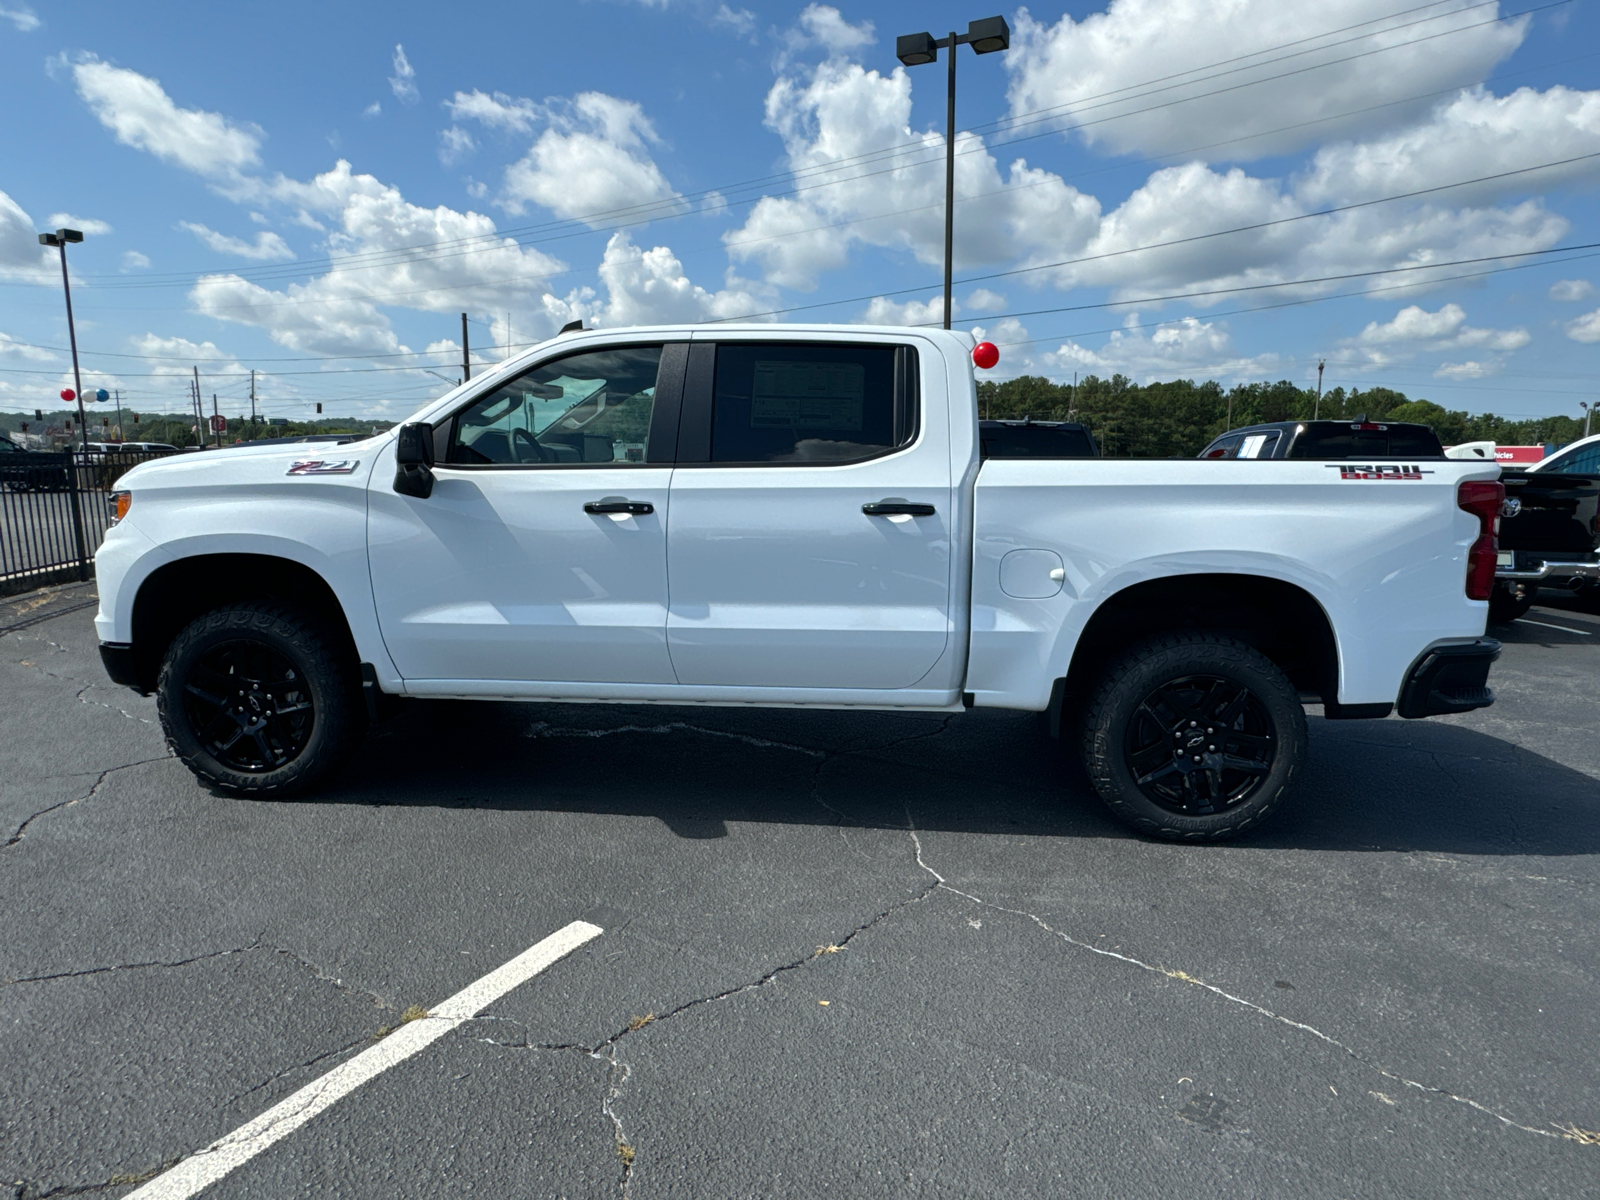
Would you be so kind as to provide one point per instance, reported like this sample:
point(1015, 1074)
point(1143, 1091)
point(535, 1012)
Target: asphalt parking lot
point(848, 955)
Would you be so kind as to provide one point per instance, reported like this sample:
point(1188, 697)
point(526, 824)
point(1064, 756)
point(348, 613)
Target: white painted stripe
point(200, 1170)
point(1547, 625)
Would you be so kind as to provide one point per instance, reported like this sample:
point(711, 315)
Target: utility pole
point(199, 412)
point(1317, 411)
point(466, 357)
point(121, 433)
point(252, 402)
point(214, 421)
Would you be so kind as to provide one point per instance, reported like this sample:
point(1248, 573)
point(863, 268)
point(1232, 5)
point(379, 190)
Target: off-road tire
point(1504, 607)
point(1162, 660)
point(338, 718)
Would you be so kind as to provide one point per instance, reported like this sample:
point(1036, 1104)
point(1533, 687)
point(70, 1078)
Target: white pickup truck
point(793, 516)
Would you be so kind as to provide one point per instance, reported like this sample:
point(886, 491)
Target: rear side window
point(1397, 441)
point(1227, 447)
point(807, 403)
point(1258, 445)
point(1580, 462)
point(1033, 441)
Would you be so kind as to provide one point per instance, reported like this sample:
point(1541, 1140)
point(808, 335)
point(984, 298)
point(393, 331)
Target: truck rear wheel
point(256, 698)
point(1193, 737)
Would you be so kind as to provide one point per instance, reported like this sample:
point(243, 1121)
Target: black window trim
point(664, 413)
point(698, 398)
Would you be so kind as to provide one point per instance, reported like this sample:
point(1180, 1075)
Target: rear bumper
point(1450, 677)
point(119, 664)
point(1531, 569)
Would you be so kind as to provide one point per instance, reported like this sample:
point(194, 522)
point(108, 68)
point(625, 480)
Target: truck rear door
point(811, 535)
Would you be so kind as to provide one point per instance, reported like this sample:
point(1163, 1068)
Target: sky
point(1210, 189)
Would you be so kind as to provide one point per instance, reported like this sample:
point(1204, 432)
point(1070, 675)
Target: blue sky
point(318, 191)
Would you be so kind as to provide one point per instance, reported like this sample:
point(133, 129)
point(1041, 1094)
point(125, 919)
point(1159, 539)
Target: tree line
point(1178, 419)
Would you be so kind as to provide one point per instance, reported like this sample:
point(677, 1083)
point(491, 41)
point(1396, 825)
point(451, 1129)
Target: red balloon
point(68, 394)
point(985, 354)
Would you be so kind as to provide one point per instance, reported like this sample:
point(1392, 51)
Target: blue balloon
point(102, 394)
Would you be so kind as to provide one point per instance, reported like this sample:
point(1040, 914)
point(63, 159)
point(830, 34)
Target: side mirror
point(413, 456)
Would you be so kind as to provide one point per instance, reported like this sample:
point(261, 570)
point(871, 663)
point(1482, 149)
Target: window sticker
point(1252, 445)
point(808, 395)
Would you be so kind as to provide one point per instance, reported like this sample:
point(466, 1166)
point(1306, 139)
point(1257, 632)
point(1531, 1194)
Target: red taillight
point(1482, 498)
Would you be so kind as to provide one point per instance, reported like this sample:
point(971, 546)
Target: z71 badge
point(318, 466)
point(1379, 471)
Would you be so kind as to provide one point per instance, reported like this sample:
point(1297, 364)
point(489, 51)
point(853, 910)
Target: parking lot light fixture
point(59, 240)
point(918, 49)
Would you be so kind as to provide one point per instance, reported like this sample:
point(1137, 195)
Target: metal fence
point(54, 511)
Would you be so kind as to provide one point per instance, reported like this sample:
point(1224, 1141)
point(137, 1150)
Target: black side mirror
point(413, 456)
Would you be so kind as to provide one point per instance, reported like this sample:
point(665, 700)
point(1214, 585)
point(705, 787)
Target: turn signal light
point(121, 502)
point(1482, 498)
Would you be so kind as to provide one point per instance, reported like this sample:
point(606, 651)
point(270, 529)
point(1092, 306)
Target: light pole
point(1588, 411)
point(1317, 411)
point(59, 239)
point(914, 50)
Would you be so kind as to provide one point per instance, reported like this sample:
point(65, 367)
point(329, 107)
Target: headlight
point(121, 502)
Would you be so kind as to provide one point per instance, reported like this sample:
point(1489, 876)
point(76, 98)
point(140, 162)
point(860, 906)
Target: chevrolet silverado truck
point(1549, 529)
point(793, 516)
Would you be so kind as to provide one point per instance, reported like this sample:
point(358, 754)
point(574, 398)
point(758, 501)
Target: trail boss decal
point(317, 466)
point(1379, 471)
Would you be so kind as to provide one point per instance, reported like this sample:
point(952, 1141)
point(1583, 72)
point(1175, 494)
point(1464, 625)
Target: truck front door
point(811, 534)
point(541, 554)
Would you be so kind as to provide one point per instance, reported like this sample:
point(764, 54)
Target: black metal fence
point(54, 511)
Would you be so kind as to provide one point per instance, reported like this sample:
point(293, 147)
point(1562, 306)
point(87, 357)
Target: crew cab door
point(810, 541)
point(541, 553)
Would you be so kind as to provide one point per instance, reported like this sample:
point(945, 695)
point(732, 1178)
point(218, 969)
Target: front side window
point(799, 403)
point(591, 407)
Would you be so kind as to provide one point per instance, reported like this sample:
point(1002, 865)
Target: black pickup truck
point(1549, 529)
point(1327, 440)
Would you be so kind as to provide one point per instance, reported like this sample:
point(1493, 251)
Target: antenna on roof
point(572, 327)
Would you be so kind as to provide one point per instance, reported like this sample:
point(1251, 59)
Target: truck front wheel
point(255, 698)
point(1193, 737)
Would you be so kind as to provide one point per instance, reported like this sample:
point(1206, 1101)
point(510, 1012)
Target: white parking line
point(1547, 625)
point(204, 1168)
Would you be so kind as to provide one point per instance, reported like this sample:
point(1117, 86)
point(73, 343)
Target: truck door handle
point(637, 507)
point(897, 508)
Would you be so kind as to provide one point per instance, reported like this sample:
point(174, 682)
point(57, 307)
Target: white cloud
point(983, 300)
point(403, 83)
point(883, 311)
point(648, 287)
point(179, 356)
point(1571, 289)
point(21, 256)
point(1442, 329)
point(142, 115)
point(267, 247)
point(84, 225)
point(1473, 135)
point(375, 109)
point(21, 16)
point(590, 161)
point(1585, 329)
point(10, 347)
point(1099, 68)
point(455, 144)
point(822, 25)
point(132, 260)
point(512, 114)
point(741, 21)
point(1186, 348)
point(1464, 370)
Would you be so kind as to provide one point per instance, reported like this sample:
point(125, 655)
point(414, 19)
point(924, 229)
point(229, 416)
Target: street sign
point(219, 424)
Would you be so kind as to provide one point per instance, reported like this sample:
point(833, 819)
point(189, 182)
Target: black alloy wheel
point(249, 707)
point(261, 697)
point(1193, 736)
point(1199, 745)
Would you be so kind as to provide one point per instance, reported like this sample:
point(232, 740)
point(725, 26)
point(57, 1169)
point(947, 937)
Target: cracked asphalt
point(849, 955)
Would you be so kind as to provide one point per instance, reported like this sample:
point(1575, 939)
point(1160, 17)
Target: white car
point(793, 516)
